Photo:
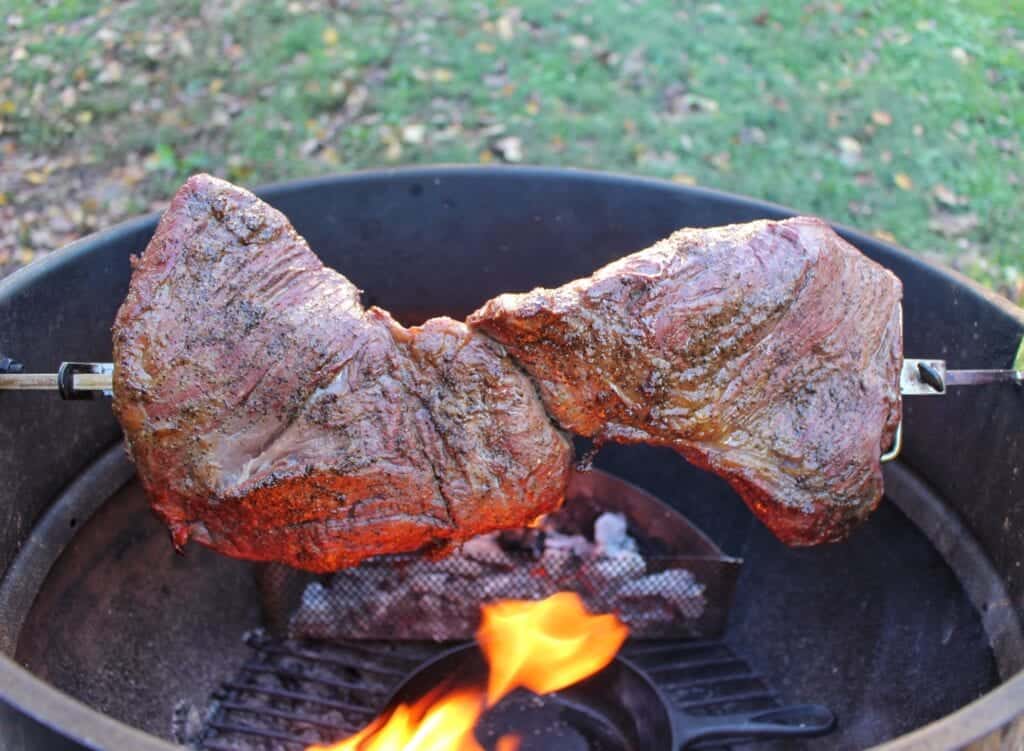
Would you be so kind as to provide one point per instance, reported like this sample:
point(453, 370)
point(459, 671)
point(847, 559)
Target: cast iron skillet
point(617, 709)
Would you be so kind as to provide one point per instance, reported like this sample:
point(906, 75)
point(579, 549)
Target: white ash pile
point(408, 597)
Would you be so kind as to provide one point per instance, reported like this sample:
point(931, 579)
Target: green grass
point(758, 98)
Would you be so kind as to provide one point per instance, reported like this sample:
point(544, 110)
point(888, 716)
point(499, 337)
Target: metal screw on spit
point(10, 365)
point(72, 381)
point(931, 378)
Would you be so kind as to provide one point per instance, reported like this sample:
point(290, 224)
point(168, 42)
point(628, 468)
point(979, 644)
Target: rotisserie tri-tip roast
point(272, 417)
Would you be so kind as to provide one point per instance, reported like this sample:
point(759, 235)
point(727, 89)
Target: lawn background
point(900, 118)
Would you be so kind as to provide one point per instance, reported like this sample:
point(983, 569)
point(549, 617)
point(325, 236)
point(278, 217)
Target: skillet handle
point(798, 720)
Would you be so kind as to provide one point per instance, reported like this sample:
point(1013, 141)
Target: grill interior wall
point(131, 628)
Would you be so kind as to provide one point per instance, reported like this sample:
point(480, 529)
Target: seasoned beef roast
point(271, 417)
point(767, 352)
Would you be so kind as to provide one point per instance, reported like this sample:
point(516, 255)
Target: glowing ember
point(508, 743)
point(542, 646)
point(537, 522)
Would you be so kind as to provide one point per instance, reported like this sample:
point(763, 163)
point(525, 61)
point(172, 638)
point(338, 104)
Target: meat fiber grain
point(272, 418)
point(767, 352)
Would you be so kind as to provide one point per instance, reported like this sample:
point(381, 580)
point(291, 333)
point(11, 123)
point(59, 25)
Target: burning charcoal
point(484, 548)
point(517, 585)
point(559, 565)
point(613, 571)
point(460, 566)
point(405, 598)
point(428, 583)
point(527, 540)
point(577, 544)
point(431, 606)
point(611, 534)
point(316, 616)
point(676, 586)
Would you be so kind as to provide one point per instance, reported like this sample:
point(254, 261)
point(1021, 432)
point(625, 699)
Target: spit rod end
point(10, 365)
point(931, 376)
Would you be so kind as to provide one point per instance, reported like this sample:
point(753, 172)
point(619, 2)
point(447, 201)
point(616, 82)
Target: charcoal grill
point(676, 584)
point(289, 694)
point(910, 631)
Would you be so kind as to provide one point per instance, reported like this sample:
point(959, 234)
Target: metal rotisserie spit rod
point(83, 380)
point(76, 380)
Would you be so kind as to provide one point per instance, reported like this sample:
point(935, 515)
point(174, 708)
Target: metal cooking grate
point(290, 694)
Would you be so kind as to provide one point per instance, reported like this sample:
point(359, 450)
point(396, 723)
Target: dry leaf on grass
point(953, 225)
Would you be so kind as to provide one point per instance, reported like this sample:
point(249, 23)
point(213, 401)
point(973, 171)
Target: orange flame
point(545, 646)
point(542, 646)
point(433, 723)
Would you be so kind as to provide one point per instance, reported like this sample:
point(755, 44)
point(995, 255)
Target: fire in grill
point(618, 548)
point(289, 694)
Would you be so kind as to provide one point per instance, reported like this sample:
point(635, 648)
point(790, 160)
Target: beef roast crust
point(767, 352)
point(272, 418)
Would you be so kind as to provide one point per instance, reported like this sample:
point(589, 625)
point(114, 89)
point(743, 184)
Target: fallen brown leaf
point(506, 24)
point(721, 161)
point(508, 149)
point(946, 196)
point(849, 150)
point(952, 225)
point(847, 143)
point(112, 72)
point(414, 133)
point(881, 117)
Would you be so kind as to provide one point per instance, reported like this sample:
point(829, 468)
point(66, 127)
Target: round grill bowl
point(440, 241)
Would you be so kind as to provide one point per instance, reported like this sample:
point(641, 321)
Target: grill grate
point(290, 694)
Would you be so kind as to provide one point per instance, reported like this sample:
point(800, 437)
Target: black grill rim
point(25, 696)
